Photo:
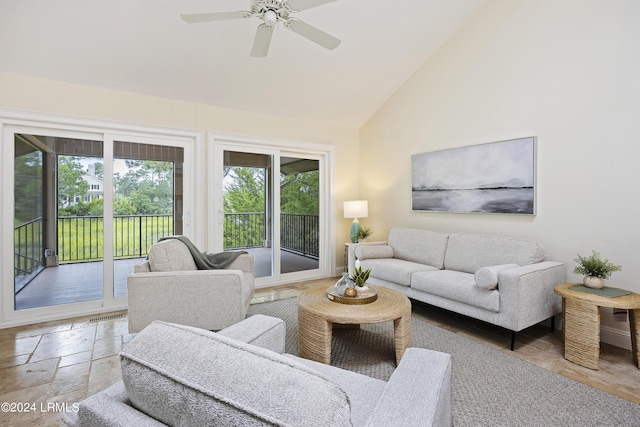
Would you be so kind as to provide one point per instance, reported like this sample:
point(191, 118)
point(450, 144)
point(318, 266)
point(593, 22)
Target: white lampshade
point(356, 209)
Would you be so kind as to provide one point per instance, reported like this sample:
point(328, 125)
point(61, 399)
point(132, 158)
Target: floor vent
point(110, 317)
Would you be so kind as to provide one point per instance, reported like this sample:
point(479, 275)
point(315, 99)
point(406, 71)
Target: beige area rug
point(490, 388)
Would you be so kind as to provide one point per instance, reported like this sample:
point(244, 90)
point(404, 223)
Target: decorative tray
point(334, 296)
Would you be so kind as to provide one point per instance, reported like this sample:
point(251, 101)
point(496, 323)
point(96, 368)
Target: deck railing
point(27, 244)
point(244, 230)
point(80, 238)
point(298, 232)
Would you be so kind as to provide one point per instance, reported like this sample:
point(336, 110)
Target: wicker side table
point(581, 315)
point(317, 315)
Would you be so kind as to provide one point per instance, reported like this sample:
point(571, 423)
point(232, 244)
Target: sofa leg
point(513, 339)
point(553, 323)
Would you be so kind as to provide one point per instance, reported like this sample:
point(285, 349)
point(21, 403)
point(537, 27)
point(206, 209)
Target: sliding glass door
point(299, 187)
point(84, 209)
point(248, 207)
point(273, 204)
point(58, 212)
point(148, 199)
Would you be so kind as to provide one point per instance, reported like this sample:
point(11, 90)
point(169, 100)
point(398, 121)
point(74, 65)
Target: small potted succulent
point(359, 278)
point(595, 269)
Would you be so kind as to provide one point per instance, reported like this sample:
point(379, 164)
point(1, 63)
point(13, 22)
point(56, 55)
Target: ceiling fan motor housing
point(271, 11)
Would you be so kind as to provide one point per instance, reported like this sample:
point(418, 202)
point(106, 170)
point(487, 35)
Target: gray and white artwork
point(488, 178)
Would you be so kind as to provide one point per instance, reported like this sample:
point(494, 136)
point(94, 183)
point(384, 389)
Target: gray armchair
point(178, 375)
point(169, 287)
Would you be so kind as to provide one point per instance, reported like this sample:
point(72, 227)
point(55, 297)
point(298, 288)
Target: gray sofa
point(180, 375)
point(503, 281)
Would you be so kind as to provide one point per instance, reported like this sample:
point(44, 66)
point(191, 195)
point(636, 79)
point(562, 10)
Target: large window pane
point(147, 202)
point(247, 212)
point(299, 218)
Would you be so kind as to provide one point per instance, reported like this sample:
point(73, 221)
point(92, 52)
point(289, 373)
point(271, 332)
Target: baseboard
point(609, 335)
point(616, 337)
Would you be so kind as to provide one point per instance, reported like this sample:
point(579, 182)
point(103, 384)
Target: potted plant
point(359, 278)
point(595, 269)
point(363, 233)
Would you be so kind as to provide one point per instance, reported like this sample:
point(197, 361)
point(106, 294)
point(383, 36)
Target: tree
point(28, 187)
point(70, 182)
point(147, 186)
point(99, 170)
point(300, 194)
point(244, 189)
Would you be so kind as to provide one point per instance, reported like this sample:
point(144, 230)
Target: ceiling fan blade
point(262, 41)
point(193, 18)
point(307, 4)
point(312, 33)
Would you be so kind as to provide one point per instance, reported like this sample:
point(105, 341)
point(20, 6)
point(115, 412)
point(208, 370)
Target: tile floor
point(45, 366)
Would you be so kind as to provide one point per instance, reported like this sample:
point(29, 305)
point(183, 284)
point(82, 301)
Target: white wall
point(565, 71)
point(25, 93)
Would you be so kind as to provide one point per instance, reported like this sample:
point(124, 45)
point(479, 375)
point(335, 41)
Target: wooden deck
point(79, 282)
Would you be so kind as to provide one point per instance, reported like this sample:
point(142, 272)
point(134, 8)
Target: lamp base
point(355, 228)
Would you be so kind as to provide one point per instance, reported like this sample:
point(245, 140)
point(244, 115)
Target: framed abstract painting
point(497, 177)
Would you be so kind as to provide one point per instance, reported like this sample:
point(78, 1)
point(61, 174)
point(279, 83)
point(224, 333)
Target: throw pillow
point(374, 251)
point(487, 277)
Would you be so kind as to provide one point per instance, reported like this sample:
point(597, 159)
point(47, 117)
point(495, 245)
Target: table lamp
point(356, 209)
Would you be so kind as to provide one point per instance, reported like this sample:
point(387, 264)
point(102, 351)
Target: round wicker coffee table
point(581, 315)
point(317, 315)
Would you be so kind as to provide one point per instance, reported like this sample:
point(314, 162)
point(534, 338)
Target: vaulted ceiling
point(143, 46)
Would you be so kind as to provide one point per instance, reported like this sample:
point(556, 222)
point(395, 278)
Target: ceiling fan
point(272, 12)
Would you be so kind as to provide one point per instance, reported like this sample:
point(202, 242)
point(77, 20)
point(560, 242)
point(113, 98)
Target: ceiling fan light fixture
point(270, 18)
point(270, 12)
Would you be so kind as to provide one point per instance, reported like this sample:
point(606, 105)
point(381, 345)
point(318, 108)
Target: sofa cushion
point(456, 286)
point(374, 251)
point(171, 255)
point(421, 246)
point(487, 277)
point(181, 375)
point(394, 270)
point(469, 252)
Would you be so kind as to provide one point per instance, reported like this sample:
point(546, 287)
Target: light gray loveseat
point(503, 281)
point(180, 375)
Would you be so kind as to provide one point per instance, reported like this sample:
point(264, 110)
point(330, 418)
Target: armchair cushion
point(181, 375)
point(170, 255)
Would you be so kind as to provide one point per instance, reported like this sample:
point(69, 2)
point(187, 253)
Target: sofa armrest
point(418, 392)
point(244, 263)
point(259, 330)
point(108, 408)
point(145, 267)
point(527, 293)
point(351, 253)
